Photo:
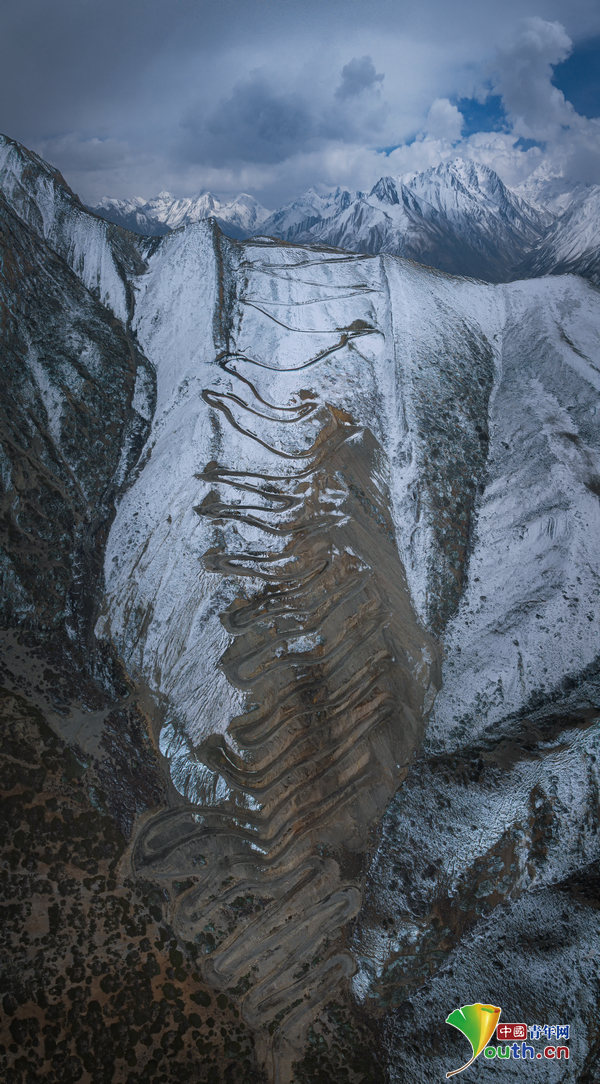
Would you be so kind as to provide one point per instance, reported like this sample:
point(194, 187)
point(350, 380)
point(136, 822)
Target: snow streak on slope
point(434, 395)
point(102, 256)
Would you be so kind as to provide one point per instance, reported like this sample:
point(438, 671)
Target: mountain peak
point(458, 216)
point(385, 190)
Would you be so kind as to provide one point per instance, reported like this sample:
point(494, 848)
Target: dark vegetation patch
point(95, 986)
point(343, 1048)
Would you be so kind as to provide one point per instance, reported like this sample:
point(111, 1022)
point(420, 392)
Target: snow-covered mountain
point(545, 189)
point(239, 218)
point(572, 244)
point(307, 213)
point(130, 214)
point(323, 527)
point(458, 217)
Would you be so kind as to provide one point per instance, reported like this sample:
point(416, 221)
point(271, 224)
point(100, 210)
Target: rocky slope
point(318, 620)
point(95, 985)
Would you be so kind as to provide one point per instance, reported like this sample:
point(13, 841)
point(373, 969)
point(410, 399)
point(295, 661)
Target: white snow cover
point(243, 212)
point(530, 611)
point(40, 198)
point(574, 242)
point(543, 188)
point(163, 607)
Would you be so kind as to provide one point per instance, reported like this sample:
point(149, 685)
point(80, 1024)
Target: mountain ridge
point(301, 564)
point(163, 213)
point(458, 217)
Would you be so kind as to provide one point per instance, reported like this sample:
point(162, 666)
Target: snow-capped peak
point(551, 190)
point(385, 191)
point(239, 217)
point(458, 216)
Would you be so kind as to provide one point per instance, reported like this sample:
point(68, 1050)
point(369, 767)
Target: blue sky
point(579, 77)
point(273, 96)
point(487, 116)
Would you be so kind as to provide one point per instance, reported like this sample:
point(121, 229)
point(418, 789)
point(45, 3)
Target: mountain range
point(458, 217)
point(153, 218)
point(300, 612)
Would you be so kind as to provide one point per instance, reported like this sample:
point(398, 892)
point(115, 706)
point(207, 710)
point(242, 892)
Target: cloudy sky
point(128, 97)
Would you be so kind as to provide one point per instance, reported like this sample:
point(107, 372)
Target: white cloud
point(537, 109)
point(280, 100)
point(444, 121)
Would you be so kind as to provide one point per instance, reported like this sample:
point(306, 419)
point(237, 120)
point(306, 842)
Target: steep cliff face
point(71, 430)
point(89, 964)
point(103, 256)
point(307, 578)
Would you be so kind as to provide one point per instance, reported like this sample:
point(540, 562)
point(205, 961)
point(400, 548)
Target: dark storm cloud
point(130, 96)
point(260, 123)
point(357, 76)
point(254, 124)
